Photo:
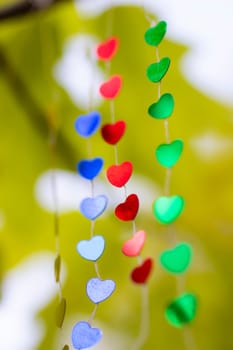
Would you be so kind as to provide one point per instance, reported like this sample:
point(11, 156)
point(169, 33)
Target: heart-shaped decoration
point(99, 290)
point(119, 175)
point(167, 209)
point(156, 71)
point(84, 336)
point(141, 273)
point(110, 88)
point(177, 260)
point(93, 207)
point(154, 35)
point(90, 168)
point(182, 310)
point(168, 154)
point(87, 124)
point(91, 249)
point(112, 133)
point(106, 50)
point(163, 108)
point(128, 210)
point(133, 246)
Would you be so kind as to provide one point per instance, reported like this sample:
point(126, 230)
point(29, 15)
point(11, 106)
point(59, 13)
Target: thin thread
point(91, 319)
point(145, 319)
point(167, 184)
point(112, 110)
point(116, 154)
point(189, 340)
point(55, 203)
point(97, 270)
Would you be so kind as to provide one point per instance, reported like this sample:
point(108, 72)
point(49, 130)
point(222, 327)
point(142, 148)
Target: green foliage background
point(31, 101)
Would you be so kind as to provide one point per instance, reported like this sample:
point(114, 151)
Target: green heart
point(167, 209)
point(153, 36)
point(182, 310)
point(167, 154)
point(156, 71)
point(177, 260)
point(163, 108)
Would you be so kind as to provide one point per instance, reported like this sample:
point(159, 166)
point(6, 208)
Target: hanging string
point(144, 322)
point(180, 280)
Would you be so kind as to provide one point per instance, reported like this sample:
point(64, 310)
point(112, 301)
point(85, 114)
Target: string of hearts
point(118, 176)
point(167, 208)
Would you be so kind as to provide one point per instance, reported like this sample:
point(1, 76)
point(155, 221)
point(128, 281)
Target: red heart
point(118, 175)
point(110, 88)
point(112, 133)
point(106, 50)
point(128, 210)
point(133, 246)
point(141, 273)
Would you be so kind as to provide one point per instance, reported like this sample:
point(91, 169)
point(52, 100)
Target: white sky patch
point(78, 72)
point(204, 26)
point(210, 145)
point(72, 189)
point(26, 290)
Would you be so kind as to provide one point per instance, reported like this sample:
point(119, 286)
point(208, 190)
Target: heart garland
point(118, 175)
point(97, 290)
point(167, 209)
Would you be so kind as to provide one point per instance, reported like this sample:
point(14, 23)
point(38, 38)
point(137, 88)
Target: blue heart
point(91, 208)
point(91, 249)
point(84, 336)
point(98, 290)
point(90, 168)
point(87, 124)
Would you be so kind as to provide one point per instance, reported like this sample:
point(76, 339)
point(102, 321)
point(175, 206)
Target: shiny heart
point(177, 260)
point(119, 175)
point(168, 154)
point(153, 36)
point(141, 273)
point(111, 87)
point(112, 133)
point(91, 249)
point(91, 208)
point(87, 124)
point(156, 71)
point(99, 290)
point(182, 310)
point(163, 108)
point(133, 246)
point(106, 50)
point(167, 209)
point(128, 210)
point(90, 168)
point(84, 336)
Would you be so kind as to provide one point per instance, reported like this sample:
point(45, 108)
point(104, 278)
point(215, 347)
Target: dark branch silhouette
point(26, 7)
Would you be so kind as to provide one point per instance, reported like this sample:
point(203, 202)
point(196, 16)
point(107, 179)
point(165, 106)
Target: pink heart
point(133, 246)
point(110, 88)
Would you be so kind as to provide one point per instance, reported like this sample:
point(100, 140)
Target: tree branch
point(26, 7)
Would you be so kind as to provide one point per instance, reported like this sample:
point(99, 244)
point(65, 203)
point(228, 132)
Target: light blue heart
point(99, 290)
point(90, 168)
point(91, 208)
point(86, 125)
point(84, 336)
point(91, 249)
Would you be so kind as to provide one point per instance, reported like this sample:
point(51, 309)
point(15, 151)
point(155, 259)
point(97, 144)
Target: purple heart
point(98, 290)
point(87, 124)
point(91, 208)
point(90, 168)
point(84, 336)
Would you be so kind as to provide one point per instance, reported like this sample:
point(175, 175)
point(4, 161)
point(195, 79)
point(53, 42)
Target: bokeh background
point(47, 70)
